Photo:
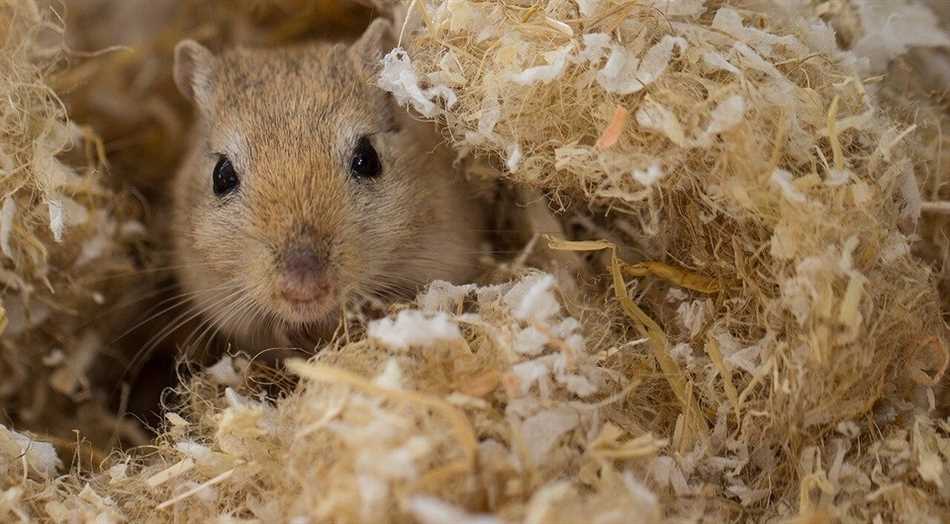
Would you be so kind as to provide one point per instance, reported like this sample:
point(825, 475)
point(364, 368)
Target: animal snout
point(303, 278)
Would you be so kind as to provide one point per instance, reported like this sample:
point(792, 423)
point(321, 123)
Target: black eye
point(224, 179)
point(365, 162)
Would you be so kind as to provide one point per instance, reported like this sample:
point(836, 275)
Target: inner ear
point(193, 70)
point(377, 40)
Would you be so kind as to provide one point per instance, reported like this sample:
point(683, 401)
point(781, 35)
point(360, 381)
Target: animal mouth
point(306, 296)
point(313, 304)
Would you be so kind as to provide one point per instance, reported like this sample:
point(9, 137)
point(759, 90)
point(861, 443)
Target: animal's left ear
point(377, 40)
point(194, 72)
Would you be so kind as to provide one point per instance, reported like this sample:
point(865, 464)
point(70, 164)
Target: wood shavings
point(647, 327)
point(677, 276)
point(176, 419)
point(171, 472)
point(195, 490)
point(789, 376)
point(460, 425)
point(608, 446)
point(613, 130)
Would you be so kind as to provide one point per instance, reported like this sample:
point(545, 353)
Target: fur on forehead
point(307, 92)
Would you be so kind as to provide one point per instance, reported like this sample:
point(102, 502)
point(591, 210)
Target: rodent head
point(307, 185)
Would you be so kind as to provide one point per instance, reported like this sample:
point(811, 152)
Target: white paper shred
point(783, 179)
point(413, 328)
point(650, 176)
point(910, 191)
point(430, 510)
point(729, 21)
point(391, 376)
point(530, 341)
point(200, 453)
point(57, 218)
point(643, 497)
point(95, 247)
point(595, 47)
point(838, 177)
point(666, 472)
point(754, 60)
point(588, 7)
point(132, 228)
point(567, 155)
point(399, 78)
point(73, 376)
point(489, 113)
point(6, 225)
point(21, 317)
point(680, 7)
point(556, 62)
point(41, 456)
point(891, 28)
point(716, 61)
point(529, 372)
point(532, 298)
point(118, 473)
point(573, 382)
point(223, 372)
point(692, 315)
point(464, 16)
point(725, 116)
point(895, 247)
point(542, 431)
point(443, 296)
point(624, 74)
point(64, 211)
point(654, 116)
point(514, 157)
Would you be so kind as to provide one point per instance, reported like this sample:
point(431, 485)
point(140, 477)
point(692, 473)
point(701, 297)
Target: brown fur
point(289, 119)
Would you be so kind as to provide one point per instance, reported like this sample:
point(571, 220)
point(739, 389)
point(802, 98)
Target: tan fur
point(289, 119)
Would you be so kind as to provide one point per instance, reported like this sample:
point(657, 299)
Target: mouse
point(305, 186)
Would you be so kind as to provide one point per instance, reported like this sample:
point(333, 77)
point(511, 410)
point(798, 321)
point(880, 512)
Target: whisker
point(182, 298)
point(193, 312)
point(146, 271)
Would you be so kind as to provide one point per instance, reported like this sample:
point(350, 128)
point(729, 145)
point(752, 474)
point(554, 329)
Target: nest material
point(767, 347)
point(63, 232)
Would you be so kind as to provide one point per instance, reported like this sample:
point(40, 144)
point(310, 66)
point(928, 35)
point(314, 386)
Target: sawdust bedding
point(724, 302)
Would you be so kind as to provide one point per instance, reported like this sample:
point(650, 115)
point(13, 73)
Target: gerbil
point(306, 186)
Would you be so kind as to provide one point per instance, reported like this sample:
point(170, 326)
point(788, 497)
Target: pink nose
point(303, 278)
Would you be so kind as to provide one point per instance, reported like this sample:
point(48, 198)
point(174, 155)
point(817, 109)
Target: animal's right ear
point(377, 40)
point(193, 71)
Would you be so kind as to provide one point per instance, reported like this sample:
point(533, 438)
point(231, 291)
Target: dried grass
point(763, 346)
point(63, 232)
